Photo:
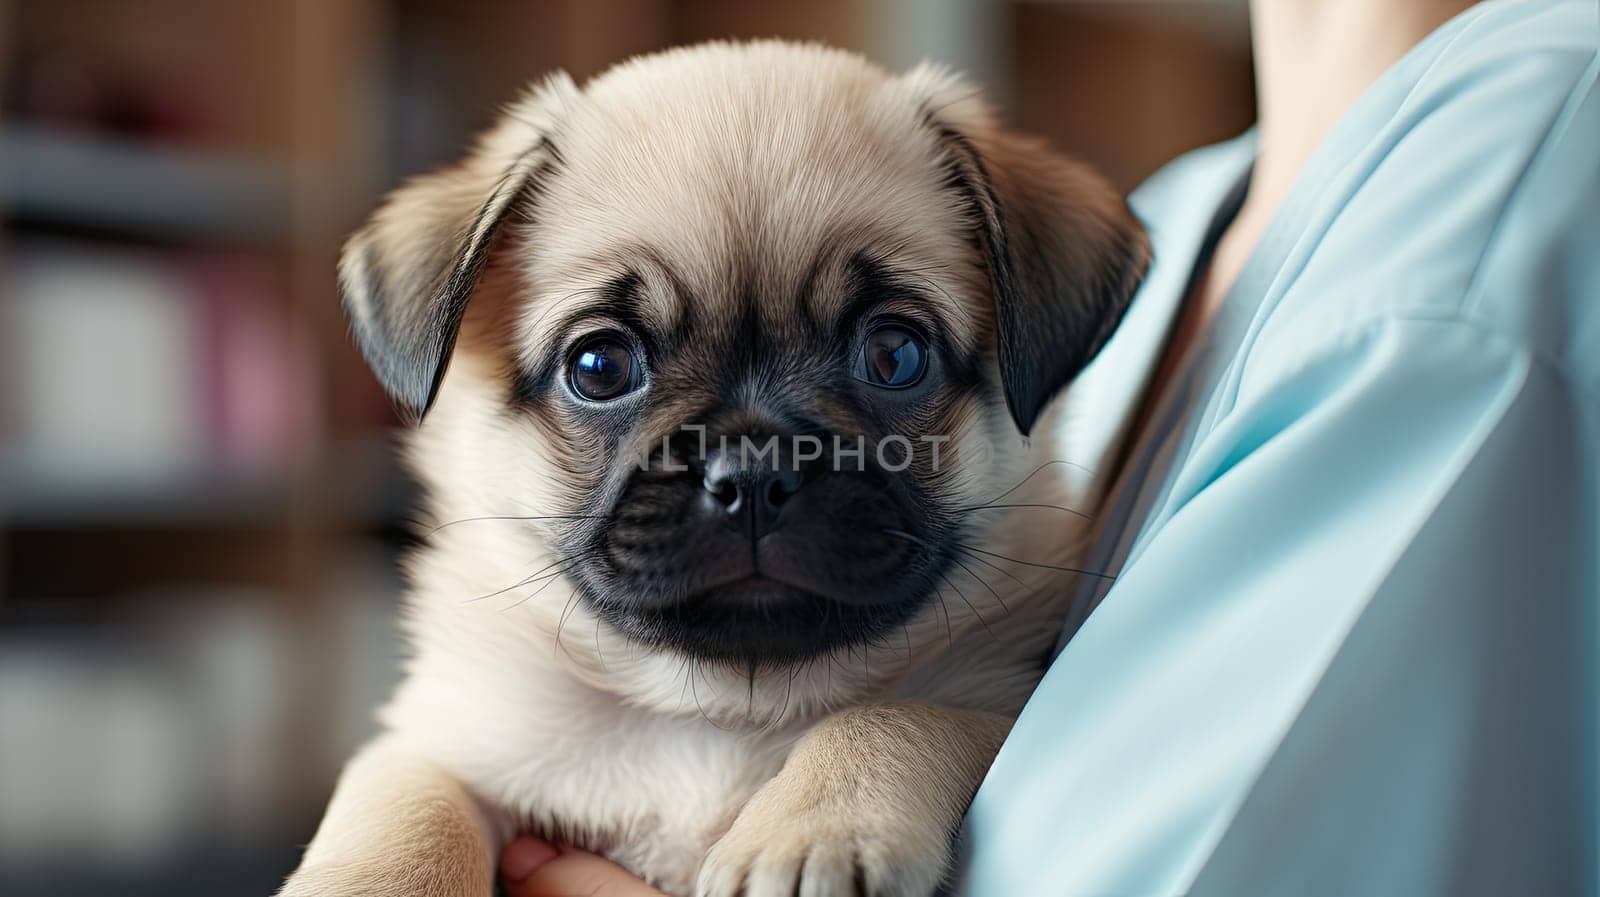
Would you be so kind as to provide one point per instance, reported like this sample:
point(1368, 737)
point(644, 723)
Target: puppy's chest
point(651, 793)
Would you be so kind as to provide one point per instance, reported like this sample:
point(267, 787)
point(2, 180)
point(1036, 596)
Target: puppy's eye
point(893, 356)
point(604, 368)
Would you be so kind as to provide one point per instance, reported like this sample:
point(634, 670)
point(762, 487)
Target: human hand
point(533, 868)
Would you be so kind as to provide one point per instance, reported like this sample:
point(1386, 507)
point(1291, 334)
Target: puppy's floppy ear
point(406, 276)
point(1063, 252)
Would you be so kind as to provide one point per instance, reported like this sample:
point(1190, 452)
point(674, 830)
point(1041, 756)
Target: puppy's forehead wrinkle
point(740, 167)
point(758, 280)
point(628, 284)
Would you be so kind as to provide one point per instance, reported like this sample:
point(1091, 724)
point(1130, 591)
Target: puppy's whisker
point(683, 692)
point(1014, 507)
point(695, 691)
point(536, 576)
point(788, 692)
point(992, 565)
point(561, 622)
point(750, 687)
point(549, 578)
point(963, 596)
point(516, 585)
point(1061, 568)
point(985, 583)
point(522, 517)
point(949, 633)
point(902, 534)
point(1035, 472)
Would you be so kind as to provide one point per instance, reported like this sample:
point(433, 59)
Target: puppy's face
point(751, 329)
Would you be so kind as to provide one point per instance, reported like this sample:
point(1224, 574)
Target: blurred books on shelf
point(148, 745)
point(140, 372)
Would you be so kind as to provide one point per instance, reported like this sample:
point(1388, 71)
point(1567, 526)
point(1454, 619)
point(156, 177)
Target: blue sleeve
point(1358, 657)
point(1359, 660)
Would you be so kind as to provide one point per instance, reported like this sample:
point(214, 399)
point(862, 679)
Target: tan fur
point(871, 796)
point(434, 835)
point(716, 173)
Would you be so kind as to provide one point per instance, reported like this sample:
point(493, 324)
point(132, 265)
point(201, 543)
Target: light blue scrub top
point(1351, 645)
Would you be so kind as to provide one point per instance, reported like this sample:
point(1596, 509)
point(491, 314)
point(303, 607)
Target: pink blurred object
point(259, 399)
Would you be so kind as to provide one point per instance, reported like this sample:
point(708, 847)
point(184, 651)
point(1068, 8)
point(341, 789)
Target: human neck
point(1313, 59)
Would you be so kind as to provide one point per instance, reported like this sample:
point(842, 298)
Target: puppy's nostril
point(726, 492)
point(776, 493)
point(779, 487)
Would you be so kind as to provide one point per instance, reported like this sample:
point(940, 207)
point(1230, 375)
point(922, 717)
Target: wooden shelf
point(359, 487)
point(215, 499)
point(142, 190)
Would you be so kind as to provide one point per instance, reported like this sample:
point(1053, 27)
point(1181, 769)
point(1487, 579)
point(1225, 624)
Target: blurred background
point(199, 507)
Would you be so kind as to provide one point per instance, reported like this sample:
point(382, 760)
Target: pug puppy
point(724, 367)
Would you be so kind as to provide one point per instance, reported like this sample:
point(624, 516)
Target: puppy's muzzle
point(761, 543)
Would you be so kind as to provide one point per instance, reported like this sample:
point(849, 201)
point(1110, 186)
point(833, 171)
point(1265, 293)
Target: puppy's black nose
point(750, 489)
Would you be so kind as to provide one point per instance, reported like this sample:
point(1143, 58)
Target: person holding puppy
point(1350, 645)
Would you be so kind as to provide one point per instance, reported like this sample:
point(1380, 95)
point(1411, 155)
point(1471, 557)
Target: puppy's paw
point(779, 849)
